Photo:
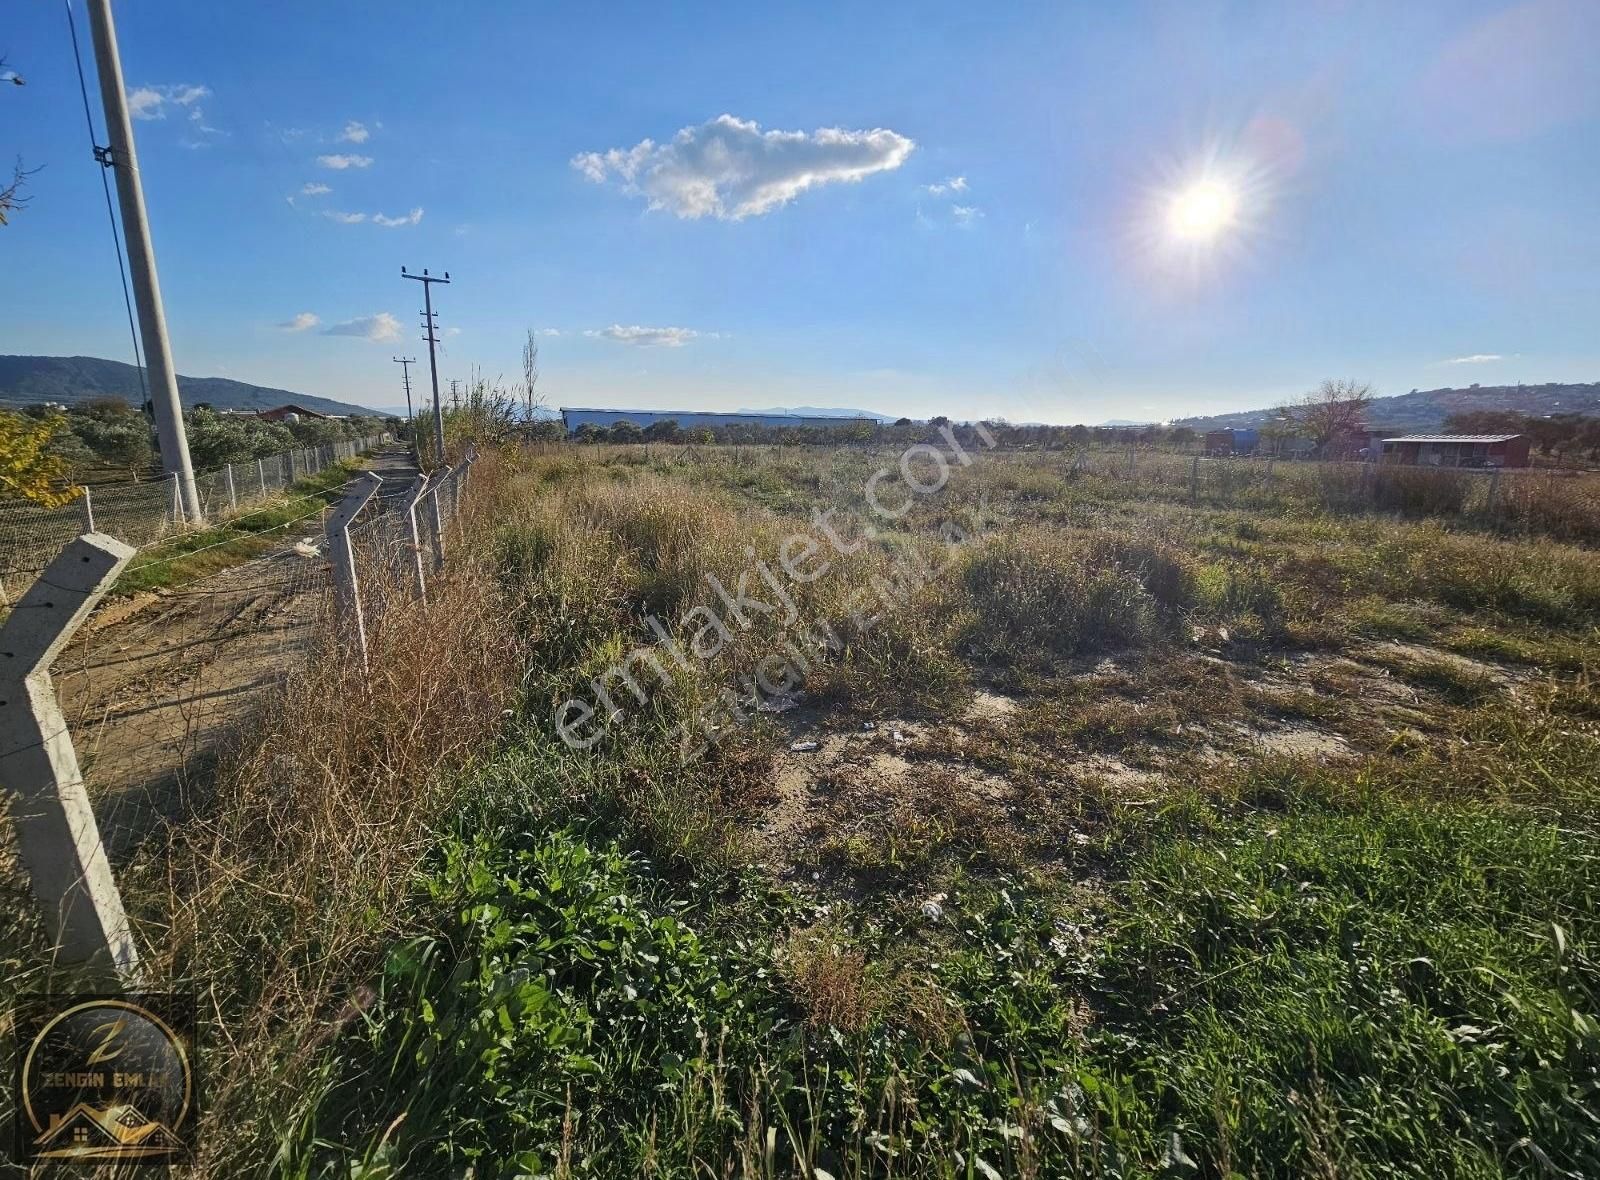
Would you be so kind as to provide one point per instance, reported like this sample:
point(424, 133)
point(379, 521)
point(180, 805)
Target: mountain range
point(1426, 409)
point(72, 379)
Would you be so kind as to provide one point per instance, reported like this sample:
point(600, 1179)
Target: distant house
point(1239, 441)
point(283, 413)
point(1457, 450)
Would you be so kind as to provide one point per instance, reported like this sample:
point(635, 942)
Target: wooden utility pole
point(142, 261)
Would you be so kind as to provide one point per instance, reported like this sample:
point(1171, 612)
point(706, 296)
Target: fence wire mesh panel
point(153, 685)
point(148, 685)
point(141, 513)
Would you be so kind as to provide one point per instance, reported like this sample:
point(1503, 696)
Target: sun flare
point(1202, 211)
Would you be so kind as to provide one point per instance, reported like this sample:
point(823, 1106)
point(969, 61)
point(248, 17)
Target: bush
point(1042, 595)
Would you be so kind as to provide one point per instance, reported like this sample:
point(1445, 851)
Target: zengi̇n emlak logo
point(106, 1079)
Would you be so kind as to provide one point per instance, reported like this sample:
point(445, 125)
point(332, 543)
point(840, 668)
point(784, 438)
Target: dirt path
point(152, 683)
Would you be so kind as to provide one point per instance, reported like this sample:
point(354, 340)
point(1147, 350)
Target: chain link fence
point(152, 687)
point(141, 513)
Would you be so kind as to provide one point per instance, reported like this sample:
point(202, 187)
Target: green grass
point(1238, 966)
point(1386, 967)
point(1290, 975)
point(188, 557)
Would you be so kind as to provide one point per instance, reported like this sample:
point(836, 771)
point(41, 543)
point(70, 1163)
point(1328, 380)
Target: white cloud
point(549, 332)
point(965, 214)
point(315, 190)
point(354, 133)
point(339, 163)
point(145, 103)
point(344, 218)
point(152, 102)
point(647, 337)
point(305, 321)
point(951, 184)
point(730, 169)
point(1477, 358)
point(374, 328)
point(405, 219)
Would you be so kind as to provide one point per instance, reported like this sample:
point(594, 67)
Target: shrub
point(1040, 595)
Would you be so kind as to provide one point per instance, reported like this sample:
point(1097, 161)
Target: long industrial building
point(692, 419)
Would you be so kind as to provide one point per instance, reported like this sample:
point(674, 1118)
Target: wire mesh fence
point(142, 513)
point(151, 687)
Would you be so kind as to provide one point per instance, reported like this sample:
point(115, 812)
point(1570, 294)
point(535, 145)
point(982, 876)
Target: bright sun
point(1201, 211)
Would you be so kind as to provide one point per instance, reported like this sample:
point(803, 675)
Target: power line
point(103, 158)
point(431, 335)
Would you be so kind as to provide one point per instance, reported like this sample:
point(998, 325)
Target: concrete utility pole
point(405, 363)
point(432, 337)
point(142, 261)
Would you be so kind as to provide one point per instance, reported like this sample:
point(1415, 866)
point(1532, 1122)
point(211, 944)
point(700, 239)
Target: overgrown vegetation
point(189, 556)
point(1148, 836)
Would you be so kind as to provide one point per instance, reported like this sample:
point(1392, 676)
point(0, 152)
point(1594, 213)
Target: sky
point(1044, 212)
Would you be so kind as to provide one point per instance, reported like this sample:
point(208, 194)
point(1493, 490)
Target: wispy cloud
point(303, 322)
point(951, 184)
point(153, 102)
point(315, 190)
point(375, 328)
point(647, 337)
point(340, 162)
point(354, 133)
point(965, 214)
point(404, 219)
point(730, 169)
point(1476, 358)
point(157, 102)
point(382, 219)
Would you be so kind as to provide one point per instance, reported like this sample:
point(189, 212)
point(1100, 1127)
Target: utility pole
point(405, 363)
point(142, 260)
point(431, 335)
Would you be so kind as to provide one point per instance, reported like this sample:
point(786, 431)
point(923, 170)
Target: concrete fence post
point(346, 587)
point(177, 502)
point(1488, 503)
point(261, 474)
point(87, 502)
point(57, 837)
point(418, 489)
point(233, 491)
point(289, 455)
point(459, 477)
point(438, 516)
point(1273, 459)
point(1130, 462)
point(1194, 479)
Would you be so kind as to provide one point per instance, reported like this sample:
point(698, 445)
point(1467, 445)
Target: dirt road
point(151, 684)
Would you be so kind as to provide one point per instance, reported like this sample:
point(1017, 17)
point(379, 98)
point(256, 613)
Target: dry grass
point(280, 890)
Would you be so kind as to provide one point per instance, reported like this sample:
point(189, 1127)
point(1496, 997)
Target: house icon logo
point(106, 1079)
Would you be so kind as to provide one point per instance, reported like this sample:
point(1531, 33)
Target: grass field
point(711, 821)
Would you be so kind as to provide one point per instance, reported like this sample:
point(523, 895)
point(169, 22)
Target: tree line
point(45, 449)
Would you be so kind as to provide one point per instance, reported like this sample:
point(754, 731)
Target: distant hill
point(1425, 409)
point(822, 412)
point(72, 379)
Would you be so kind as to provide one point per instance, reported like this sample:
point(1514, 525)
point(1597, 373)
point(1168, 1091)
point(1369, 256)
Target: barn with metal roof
point(1457, 450)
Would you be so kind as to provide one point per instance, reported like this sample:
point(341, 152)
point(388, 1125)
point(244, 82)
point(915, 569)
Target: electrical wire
point(116, 235)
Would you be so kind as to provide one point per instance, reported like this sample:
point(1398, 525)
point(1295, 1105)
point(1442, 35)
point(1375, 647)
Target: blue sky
point(969, 211)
